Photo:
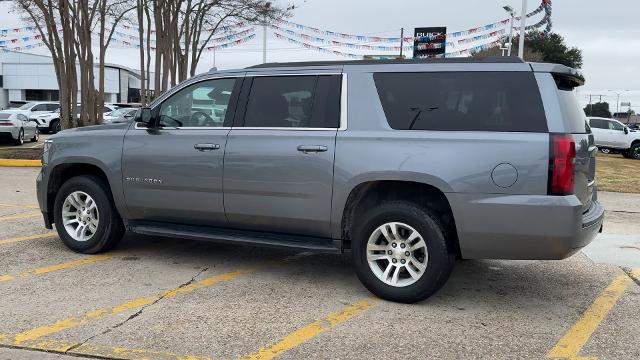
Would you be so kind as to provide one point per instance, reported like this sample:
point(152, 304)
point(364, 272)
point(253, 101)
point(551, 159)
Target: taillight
point(6, 123)
point(562, 154)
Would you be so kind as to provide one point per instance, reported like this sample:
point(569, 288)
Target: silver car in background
point(18, 127)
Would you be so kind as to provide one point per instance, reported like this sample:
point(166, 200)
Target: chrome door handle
point(206, 147)
point(312, 148)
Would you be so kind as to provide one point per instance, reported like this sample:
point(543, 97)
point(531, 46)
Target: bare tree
point(43, 14)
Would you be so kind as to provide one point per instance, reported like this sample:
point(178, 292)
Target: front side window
point(203, 104)
point(52, 107)
point(294, 102)
point(40, 107)
point(464, 101)
point(614, 125)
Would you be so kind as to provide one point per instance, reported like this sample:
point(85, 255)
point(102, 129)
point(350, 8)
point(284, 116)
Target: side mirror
point(626, 130)
point(143, 116)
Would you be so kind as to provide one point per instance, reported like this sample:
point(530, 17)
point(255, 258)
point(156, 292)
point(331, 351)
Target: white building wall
point(34, 72)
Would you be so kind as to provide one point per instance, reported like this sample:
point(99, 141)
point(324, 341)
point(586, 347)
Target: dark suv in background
point(408, 164)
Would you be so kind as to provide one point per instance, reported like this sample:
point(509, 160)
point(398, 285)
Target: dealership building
point(29, 77)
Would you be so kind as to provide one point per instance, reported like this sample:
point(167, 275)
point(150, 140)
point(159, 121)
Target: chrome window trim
point(138, 126)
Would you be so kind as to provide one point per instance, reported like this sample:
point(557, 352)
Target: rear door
point(278, 170)
point(172, 172)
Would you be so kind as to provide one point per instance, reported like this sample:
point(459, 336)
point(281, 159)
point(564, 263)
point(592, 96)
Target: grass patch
point(618, 174)
point(21, 153)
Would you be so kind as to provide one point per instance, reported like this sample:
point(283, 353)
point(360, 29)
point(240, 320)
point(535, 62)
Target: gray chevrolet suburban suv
point(407, 164)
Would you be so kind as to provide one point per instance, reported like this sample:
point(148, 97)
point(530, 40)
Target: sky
point(607, 32)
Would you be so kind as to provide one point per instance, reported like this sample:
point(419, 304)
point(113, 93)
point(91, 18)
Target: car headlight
point(46, 151)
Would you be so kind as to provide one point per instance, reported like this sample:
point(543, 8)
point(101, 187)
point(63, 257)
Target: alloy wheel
point(397, 254)
point(80, 216)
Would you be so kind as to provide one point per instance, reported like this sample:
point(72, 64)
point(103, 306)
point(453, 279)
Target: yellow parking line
point(26, 238)
point(20, 163)
point(20, 216)
point(573, 340)
point(97, 314)
point(310, 331)
point(99, 351)
point(20, 206)
point(57, 267)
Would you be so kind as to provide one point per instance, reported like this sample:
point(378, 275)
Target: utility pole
point(523, 25)
point(401, 41)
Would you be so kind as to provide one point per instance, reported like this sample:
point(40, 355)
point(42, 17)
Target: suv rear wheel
point(86, 218)
point(634, 151)
point(400, 252)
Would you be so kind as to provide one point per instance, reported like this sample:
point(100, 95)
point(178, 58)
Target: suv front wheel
point(85, 216)
point(400, 252)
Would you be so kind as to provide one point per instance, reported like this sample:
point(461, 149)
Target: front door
point(172, 171)
point(279, 157)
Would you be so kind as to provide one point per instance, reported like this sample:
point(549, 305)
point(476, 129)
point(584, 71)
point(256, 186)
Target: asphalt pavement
point(164, 298)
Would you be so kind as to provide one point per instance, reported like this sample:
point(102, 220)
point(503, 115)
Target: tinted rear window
point(5, 116)
point(466, 101)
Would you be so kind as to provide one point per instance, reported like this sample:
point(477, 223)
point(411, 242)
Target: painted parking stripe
point(20, 216)
point(98, 314)
point(57, 267)
point(311, 330)
point(20, 163)
point(27, 238)
point(571, 343)
point(97, 351)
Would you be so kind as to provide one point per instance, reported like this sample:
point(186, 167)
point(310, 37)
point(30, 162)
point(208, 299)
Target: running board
point(222, 235)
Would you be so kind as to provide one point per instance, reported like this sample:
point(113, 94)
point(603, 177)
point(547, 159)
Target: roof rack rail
point(488, 59)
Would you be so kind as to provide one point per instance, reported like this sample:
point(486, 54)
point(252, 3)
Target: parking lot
point(156, 298)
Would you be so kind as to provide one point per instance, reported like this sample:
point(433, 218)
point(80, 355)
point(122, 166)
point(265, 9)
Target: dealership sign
point(429, 42)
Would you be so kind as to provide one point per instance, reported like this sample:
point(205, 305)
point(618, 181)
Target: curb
point(20, 163)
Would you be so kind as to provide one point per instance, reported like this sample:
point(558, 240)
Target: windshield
point(27, 106)
point(119, 112)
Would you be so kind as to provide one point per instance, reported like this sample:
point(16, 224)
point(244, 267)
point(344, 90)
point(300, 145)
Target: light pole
point(523, 25)
point(267, 6)
point(618, 93)
point(511, 12)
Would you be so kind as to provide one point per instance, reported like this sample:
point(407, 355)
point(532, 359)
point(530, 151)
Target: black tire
point(54, 126)
point(36, 136)
point(634, 151)
point(110, 229)
point(627, 154)
point(440, 256)
point(20, 139)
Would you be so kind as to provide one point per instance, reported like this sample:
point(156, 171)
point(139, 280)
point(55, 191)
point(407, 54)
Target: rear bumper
point(8, 131)
point(522, 226)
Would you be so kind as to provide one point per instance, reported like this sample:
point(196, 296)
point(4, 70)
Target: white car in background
point(34, 109)
point(50, 122)
point(613, 136)
point(120, 115)
point(18, 127)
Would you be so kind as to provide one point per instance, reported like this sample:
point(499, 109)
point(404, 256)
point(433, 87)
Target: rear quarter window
point(463, 101)
point(572, 113)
